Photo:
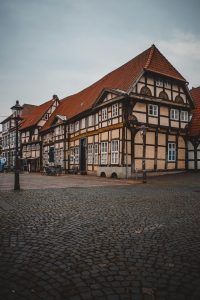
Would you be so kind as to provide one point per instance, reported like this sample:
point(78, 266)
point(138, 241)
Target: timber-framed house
point(9, 135)
point(98, 130)
point(31, 145)
point(194, 133)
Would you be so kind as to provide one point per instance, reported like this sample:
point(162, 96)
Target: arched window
point(179, 99)
point(163, 95)
point(145, 91)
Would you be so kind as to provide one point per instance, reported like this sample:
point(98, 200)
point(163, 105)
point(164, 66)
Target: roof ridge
point(150, 56)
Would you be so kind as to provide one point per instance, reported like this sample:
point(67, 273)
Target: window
point(96, 118)
point(153, 110)
point(76, 155)
point(77, 126)
point(115, 110)
point(46, 116)
point(115, 152)
point(90, 154)
point(167, 84)
point(184, 116)
point(96, 154)
point(159, 82)
point(83, 123)
point(71, 128)
point(104, 153)
point(72, 156)
point(90, 121)
point(104, 114)
point(174, 114)
point(171, 152)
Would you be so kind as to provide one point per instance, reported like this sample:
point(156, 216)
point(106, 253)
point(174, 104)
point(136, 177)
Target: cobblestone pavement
point(137, 242)
point(38, 181)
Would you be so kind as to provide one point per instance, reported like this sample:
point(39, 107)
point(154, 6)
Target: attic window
point(46, 116)
point(159, 82)
point(163, 95)
point(145, 91)
point(179, 100)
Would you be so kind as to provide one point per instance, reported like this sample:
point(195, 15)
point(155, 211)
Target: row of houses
point(140, 116)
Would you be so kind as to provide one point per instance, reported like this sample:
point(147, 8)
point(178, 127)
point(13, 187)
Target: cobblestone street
point(113, 241)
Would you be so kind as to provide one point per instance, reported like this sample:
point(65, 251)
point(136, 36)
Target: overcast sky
point(60, 47)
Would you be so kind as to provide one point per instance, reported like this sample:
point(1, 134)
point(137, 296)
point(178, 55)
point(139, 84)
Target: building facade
point(99, 129)
point(31, 143)
point(9, 135)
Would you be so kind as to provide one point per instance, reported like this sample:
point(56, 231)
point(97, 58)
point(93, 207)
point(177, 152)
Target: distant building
point(31, 143)
point(9, 135)
point(194, 133)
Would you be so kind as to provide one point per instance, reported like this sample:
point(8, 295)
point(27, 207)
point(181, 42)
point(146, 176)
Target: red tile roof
point(121, 78)
point(195, 122)
point(36, 115)
point(27, 109)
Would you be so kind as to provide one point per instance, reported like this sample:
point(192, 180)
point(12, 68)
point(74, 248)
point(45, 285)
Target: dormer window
point(46, 116)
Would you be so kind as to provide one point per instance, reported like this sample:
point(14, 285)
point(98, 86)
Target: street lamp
point(143, 133)
point(16, 109)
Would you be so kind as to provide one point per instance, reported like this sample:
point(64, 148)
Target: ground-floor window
point(96, 160)
point(104, 153)
point(76, 155)
point(171, 151)
point(90, 154)
point(114, 152)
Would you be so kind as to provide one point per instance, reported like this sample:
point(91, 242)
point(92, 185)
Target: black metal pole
point(144, 175)
point(16, 185)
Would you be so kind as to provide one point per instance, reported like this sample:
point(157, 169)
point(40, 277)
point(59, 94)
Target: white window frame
point(171, 151)
point(159, 82)
point(72, 155)
point(77, 126)
point(71, 128)
point(184, 116)
point(174, 114)
point(153, 110)
point(83, 123)
point(104, 114)
point(115, 110)
point(167, 84)
point(90, 154)
point(96, 118)
point(115, 152)
point(76, 155)
point(90, 121)
point(96, 154)
point(104, 153)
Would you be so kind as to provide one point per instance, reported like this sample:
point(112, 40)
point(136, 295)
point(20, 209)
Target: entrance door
point(82, 163)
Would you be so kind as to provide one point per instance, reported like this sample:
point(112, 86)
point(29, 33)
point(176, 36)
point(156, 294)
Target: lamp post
point(16, 109)
point(143, 133)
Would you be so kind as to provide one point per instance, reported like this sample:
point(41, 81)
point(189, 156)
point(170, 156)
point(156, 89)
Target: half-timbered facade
point(31, 145)
point(9, 135)
point(99, 131)
point(194, 133)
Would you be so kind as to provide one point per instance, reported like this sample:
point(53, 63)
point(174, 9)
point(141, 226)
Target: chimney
point(55, 97)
